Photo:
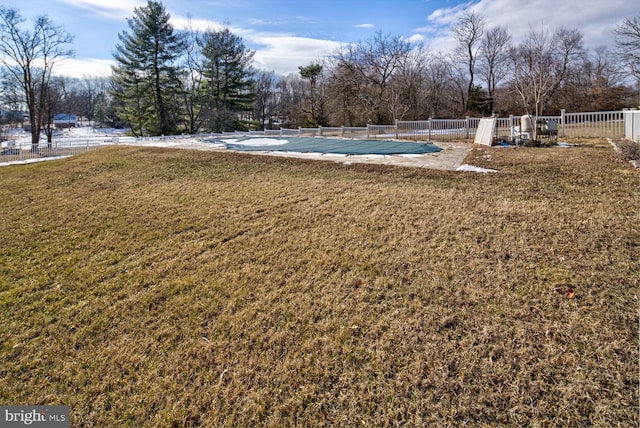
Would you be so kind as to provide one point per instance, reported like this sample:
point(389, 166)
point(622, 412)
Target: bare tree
point(12, 96)
point(459, 87)
point(440, 89)
point(468, 33)
point(88, 95)
point(628, 42)
point(289, 95)
point(541, 63)
point(493, 59)
point(30, 58)
point(264, 101)
point(56, 91)
point(597, 84)
point(191, 79)
point(408, 86)
point(368, 68)
point(343, 96)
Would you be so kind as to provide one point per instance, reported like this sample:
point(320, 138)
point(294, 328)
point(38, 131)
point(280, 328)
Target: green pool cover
point(327, 145)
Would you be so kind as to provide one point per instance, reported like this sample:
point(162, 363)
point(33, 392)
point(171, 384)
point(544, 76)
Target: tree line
point(168, 81)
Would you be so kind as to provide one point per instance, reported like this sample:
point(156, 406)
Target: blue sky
point(288, 33)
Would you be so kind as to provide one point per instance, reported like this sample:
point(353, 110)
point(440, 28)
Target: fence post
point(466, 125)
point(319, 131)
point(512, 134)
point(429, 126)
point(562, 117)
point(396, 129)
point(342, 131)
point(367, 130)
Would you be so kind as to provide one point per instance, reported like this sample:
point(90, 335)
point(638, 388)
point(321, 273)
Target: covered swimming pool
point(325, 145)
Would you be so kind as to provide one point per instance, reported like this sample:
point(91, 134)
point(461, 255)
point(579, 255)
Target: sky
point(286, 34)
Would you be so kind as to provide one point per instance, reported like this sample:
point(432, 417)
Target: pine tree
point(227, 74)
point(145, 75)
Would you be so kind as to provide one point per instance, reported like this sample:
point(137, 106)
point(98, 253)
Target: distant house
point(62, 121)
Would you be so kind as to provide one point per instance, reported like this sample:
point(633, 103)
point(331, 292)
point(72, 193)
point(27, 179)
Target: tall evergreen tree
point(146, 76)
point(313, 74)
point(227, 75)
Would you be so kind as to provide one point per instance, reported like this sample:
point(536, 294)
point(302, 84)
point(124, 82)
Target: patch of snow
point(26, 161)
point(367, 156)
point(296, 153)
point(470, 168)
point(256, 142)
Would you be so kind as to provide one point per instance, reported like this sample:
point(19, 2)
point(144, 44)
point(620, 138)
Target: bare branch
point(627, 36)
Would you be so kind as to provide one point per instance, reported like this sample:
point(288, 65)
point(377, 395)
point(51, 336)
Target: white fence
point(632, 125)
point(579, 125)
point(11, 151)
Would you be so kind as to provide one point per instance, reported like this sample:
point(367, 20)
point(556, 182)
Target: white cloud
point(593, 18)
point(448, 16)
point(85, 67)
point(417, 38)
point(112, 9)
point(256, 21)
point(284, 54)
point(182, 23)
point(365, 26)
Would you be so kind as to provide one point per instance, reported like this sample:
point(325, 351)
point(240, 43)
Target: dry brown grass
point(156, 287)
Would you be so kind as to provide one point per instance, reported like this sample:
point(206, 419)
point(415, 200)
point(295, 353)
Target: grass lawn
point(160, 287)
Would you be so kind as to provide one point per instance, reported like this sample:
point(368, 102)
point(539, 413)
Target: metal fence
point(11, 152)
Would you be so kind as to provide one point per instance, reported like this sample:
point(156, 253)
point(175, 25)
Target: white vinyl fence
point(632, 125)
point(11, 151)
point(580, 125)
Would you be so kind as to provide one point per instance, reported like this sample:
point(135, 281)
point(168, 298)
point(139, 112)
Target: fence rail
point(10, 151)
